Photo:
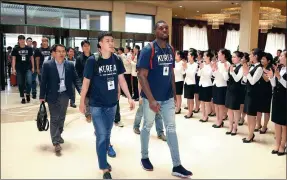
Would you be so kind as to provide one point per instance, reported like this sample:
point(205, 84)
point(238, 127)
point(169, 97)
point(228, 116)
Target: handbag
point(42, 120)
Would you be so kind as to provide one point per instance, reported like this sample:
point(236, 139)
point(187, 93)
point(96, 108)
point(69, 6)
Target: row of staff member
point(234, 87)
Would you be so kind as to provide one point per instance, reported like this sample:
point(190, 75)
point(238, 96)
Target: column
point(165, 14)
point(119, 19)
point(249, 24)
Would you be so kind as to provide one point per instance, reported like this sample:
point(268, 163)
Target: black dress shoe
point(23, 101)
point(257, 129)
point(28, 98)
point(196, 111)
point(201, 120)
point(188, 117)
point(274, 152)
point(73, 105)
point(228, 132)
point(220, 126)
point(234, 133)
point(263, 132)
point(281, 153)
point(178, 112)
point(107, 175)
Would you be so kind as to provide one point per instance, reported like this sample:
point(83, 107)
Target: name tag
point(62, 82)
point(111, 85)
point(165, 71)
point(23, 58)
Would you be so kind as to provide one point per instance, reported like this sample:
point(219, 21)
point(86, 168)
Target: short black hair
point(34, 42)
point(227, 54)
point(239, 54)
point(157, 23)
point(279, 50)
point(69, 48)
point(102, 35)
point(21, 37)
point(259, 53)
point(29, 38)
point(129, 48)
point(9, 48)
point(209, 54)
point(269, 57)
point(246, 56)
point(121, 49)
point(54, 47)
point(200, 53)
point(85, 42)
point(137, 47)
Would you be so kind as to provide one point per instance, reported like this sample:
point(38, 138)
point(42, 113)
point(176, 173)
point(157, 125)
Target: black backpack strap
point(97, 56)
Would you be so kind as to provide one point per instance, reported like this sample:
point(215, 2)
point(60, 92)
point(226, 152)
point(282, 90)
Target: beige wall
point(165, 14)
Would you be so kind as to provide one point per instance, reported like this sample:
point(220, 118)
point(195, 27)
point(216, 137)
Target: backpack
point(153, 52)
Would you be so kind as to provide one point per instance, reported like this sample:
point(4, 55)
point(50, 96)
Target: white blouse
point(179, 71)
point(282, 81)
point(256, 76)
point(191, 72)
point(205, 75)
point(221, 75)
point(126, 63)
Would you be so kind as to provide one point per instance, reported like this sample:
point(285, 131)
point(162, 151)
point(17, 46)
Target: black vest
point(232, 84)
point(279, 89)
point(253, 89)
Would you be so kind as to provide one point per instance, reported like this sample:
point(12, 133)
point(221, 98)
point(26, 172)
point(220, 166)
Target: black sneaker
point(180, 171)
point(28, 98)
point(146, 164)
point(107, 175)
point(61, 140)
point(23, 101)
point(34, 96)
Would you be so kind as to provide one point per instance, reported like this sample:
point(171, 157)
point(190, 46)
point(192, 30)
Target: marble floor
point(207, 152)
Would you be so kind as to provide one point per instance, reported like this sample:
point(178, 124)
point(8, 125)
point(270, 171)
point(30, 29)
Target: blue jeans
point(24, 81)
point(103, 119)
point(158, 120)
point(34, 83)
point(167, 109)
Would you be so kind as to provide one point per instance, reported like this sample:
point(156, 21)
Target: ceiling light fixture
point(175, 15)
point(215, 19)
point(197, 11)
point(180, 6)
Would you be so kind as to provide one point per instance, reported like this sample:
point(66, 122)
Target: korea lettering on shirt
point(23, 53)
point(109, 71)
point(46, 53)
point(165, 60)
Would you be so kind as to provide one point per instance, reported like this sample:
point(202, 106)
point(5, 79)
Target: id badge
point(62, 82)
point(111, 85)
point(165, 71)
point(23, 58)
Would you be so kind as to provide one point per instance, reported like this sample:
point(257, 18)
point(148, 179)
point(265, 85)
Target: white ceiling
point(192, 8)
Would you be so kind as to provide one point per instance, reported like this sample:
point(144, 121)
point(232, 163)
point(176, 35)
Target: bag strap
point(152, 55)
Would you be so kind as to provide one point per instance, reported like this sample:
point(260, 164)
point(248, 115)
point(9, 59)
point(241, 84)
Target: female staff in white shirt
point(178, 73)
point(205, 85)
point(190, 81)
point(245, 60)
point(234, 94)
point(134, 72)
point(252, 98)
point(278, 81)
point(220, 73)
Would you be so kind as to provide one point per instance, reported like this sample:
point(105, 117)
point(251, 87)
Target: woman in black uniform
point(251, 102)
point(245, 60)
point(234, 94)
point(278, 80)
point(266, 94)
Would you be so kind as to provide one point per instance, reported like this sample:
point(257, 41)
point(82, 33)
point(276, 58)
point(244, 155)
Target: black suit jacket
point(50, 82)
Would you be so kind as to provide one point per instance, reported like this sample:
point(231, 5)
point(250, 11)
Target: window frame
point(149, 15)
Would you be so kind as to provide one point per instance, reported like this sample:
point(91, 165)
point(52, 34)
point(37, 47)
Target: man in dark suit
point(58, 76)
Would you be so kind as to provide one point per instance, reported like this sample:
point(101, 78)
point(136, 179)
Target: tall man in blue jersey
point(156, 77)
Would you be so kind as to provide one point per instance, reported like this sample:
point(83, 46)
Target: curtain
point(232, 40)
point(195, 37)
point(274, 42)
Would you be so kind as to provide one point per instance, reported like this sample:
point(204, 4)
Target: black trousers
point(128, 78)
point(135, 87)
point(118, 114)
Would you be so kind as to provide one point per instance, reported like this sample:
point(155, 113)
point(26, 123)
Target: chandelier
point(267, 16)
point(215, 19)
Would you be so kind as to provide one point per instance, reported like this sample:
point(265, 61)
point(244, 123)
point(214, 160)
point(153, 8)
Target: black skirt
point(233, 100)
point(189, 91)
point(242, 94)
point(205, 93)
point(219, 95)
point(251, 104)
point(179, 87)
point(265, 102)
point(279, 115)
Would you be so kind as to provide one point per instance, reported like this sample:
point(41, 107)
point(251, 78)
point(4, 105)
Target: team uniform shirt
point(103, 80)
point(44, 54)
point(23, 57)
point(160, 74)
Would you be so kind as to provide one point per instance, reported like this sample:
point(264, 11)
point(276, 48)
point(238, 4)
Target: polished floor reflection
point(207, 152)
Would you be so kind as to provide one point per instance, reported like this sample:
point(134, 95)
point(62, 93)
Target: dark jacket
point(50, 83)
point(80, 65)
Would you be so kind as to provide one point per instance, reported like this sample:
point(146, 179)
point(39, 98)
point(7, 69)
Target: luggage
point(42, 118)
point(13, 80)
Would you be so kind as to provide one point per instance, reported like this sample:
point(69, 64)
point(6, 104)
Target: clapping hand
point(269, 73)
point(245, 69)
point(201, 65)
point(231, 69)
